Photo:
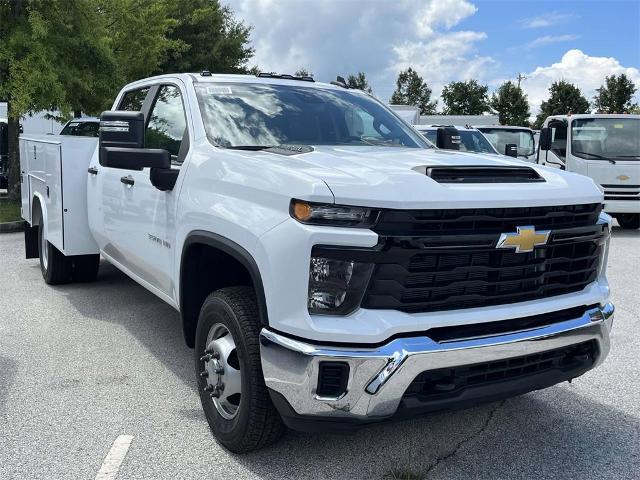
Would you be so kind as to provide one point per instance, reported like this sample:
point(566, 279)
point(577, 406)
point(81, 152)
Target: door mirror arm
point(164, 179)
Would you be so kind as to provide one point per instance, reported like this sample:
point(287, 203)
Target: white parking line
point(114, 458)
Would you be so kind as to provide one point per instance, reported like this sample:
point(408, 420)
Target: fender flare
point(235, 251)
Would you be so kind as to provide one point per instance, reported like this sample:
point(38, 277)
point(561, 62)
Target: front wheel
point(234, 396)
point(629, 221)
point(54, 265)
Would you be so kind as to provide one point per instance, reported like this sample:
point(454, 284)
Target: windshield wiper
point(250, 147)
point(627, 156)
point(599, 157)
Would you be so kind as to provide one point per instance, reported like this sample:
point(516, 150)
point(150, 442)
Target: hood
point(385, 177)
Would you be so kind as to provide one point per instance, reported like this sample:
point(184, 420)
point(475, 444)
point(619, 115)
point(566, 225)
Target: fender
point(235, 251)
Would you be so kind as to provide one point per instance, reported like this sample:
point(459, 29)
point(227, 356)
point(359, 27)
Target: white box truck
point(604, 147)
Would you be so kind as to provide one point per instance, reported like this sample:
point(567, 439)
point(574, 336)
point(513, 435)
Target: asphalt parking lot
point(81, 365)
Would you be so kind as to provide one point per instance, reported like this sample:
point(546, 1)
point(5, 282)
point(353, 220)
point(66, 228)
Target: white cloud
point(584, 71)
point(547, 20)
point(549, 39)
point(443, 59)
point(329, 38)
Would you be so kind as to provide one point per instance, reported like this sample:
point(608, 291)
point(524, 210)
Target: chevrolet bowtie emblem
point(525, 240)
point(623, 177)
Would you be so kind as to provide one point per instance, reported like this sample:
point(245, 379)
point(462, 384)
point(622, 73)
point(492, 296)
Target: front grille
point(435, 260)
point(435, 280)
point(449, 382)
point(621, 192)
point(484, 220)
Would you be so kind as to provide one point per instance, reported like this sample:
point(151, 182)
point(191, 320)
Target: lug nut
point(205, 358)
point(212, 352)
point(215, 394)
point(204, 374)
point(209, 388)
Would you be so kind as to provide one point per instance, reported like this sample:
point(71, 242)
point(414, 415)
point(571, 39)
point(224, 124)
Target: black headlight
point(336, 287)
point(334, 215)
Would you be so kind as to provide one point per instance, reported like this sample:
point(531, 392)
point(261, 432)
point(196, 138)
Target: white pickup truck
point(331, 267)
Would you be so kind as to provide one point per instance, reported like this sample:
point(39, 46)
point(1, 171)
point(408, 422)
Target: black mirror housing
point(134, 158)
point(511, 150)
point(545, 138)
point(448, 138)
point(122, 129)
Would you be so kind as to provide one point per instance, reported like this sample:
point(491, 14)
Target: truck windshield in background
point(606, 138)
point(262, 115)
point(501, 137)
point(470, 140)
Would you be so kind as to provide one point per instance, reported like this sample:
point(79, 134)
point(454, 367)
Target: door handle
point(92, 170)
point(127, 180)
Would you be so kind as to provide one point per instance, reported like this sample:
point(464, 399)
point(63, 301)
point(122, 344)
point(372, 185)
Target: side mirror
point(511, 150)
point(545, 138)
point(121, 141)
point(448, 138)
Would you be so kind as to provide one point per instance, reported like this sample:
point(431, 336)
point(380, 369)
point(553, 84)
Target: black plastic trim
point(238, 253)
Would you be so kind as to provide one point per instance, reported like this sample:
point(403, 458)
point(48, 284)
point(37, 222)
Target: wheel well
point(36, 211)
point(206, 268)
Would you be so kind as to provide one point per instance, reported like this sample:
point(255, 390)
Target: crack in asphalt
point(464, 441)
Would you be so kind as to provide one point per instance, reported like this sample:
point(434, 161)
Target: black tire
point(85, 268)
point(629, 221)
point(55, 267)
point(257, 422)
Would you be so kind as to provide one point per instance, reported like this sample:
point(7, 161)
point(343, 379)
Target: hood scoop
point(481, 174)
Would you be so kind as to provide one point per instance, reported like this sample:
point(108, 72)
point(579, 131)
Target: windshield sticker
point(618, 125)
point(218, 90)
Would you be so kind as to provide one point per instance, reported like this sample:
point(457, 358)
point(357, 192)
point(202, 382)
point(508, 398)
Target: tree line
point(510, 102)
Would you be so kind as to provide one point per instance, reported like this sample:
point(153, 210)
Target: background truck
point(503, 137)
point(331, 267)
point(601, 146)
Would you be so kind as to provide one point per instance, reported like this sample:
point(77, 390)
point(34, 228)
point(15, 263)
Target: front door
point(141, 218)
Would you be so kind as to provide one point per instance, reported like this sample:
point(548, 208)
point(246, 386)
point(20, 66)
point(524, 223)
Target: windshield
point(606, 138)
point(501, 137)
point(81, 129)
point(258, 115)
point(470, 140)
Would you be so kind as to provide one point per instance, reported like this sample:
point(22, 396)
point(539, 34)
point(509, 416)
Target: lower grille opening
point(451, 382)
point(332, 379)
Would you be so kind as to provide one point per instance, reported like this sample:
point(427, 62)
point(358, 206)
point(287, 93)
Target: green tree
point(53, 55)
point(206, 36)
point(137, 32)
point(411, 89)
point(359, 81)
point(616, 96)
point(465, 98)
point(511, 105)
point(564, 98)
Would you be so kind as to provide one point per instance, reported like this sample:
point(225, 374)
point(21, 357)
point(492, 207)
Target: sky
point(580, 41)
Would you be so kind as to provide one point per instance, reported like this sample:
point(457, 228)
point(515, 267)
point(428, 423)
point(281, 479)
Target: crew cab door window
point(167, 124)
point(133, 100)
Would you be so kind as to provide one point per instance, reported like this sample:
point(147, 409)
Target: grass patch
point(9, 211)
point(403, 474)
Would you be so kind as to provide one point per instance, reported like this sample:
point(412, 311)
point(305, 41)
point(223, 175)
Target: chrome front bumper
point(379, 377)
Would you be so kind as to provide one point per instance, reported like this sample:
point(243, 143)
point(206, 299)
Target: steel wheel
point(222, 371)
